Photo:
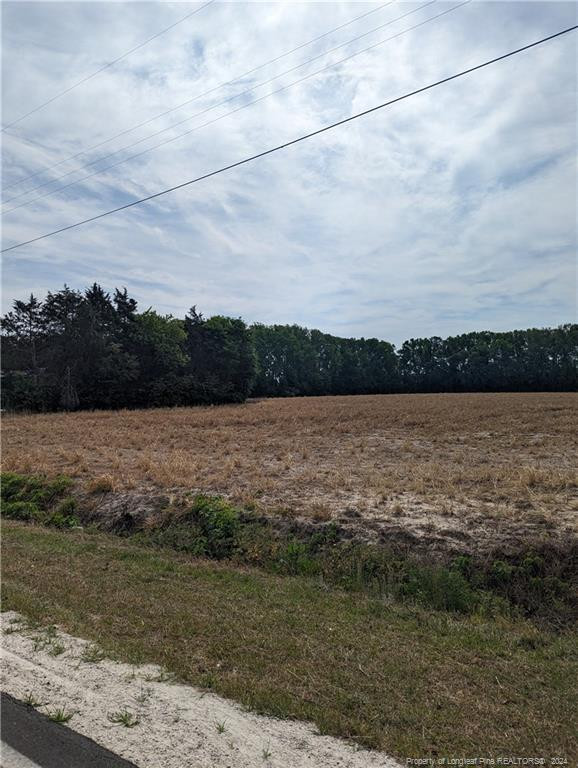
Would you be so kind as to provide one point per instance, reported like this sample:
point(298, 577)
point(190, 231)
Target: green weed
point(31, 701)
point(60, 715)
point(45, 638)
point(123, 717)
point(92, 654)
point(21, 510)
point(56, 649)
point(219, 525)
point(35, 498)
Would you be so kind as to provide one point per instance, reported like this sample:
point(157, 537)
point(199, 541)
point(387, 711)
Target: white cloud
point(450, 211)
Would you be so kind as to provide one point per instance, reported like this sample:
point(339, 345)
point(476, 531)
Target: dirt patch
point(441, 530)
point(176, 725)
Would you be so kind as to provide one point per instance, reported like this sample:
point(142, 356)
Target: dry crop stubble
point(419, 459)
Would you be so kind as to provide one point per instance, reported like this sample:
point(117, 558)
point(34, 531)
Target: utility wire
point(226, 101)
point(106, 66)
point(297, 140)
point(204, 111)
point(199, 96)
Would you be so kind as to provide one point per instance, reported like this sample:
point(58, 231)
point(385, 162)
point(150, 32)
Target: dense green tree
point(24, 335)
point(25, 326)
point(157, 342)
point(88, 350)
point(296, 361)
point(91, 350)
point(221, 358)
point(536, 359)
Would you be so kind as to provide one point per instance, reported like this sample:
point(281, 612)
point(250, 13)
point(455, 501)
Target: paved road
point(31, 740)
point(10, 758)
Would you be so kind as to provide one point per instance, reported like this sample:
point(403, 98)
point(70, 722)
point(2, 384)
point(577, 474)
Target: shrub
point(258, 543)
point(33, 498)
point(11, 485)
point(295, 559)
point(450, 591)
point(67, 507)
point(533, 565)
point(500, 573)
point(439, 588)
point(219, 525)
point(20, 510)
point(56, 520)
point(463, 564)
point(63, 516)
point(35, 489)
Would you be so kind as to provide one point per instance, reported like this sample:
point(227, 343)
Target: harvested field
point(456, 471)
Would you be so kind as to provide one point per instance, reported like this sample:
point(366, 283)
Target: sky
point(448, 212)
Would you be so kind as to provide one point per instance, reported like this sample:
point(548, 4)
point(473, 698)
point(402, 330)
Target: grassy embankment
point(385, 671)
point(533, 583)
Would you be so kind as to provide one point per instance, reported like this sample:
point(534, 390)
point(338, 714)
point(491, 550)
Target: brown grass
point(415, 456)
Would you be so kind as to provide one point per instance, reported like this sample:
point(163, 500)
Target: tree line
point(93, 350)
point(297, 361)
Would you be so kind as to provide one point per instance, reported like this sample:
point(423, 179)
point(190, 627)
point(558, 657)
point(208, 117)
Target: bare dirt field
point(458, 471)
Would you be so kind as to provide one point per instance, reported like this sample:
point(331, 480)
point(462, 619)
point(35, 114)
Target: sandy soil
point(450, 528)
point(179, 726)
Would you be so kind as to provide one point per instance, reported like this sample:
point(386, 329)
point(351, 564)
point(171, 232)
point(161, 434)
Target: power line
point(106, 66)
point(198, 96)
point(198, 114)
point(297, 140)
point(231, 112)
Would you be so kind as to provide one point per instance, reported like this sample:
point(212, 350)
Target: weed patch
point(123, 717)
point(92, 654)
point(21, 510)
point(38, 499)
point(31, 701)
point(60, 715)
